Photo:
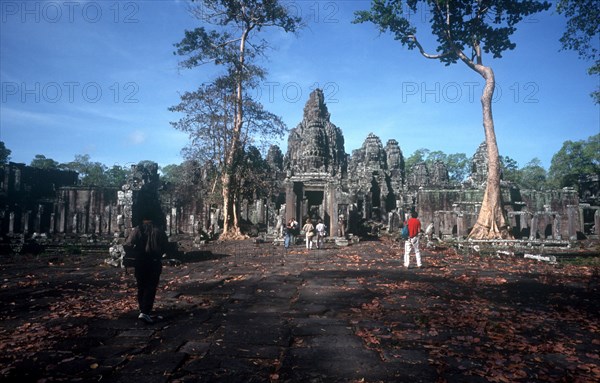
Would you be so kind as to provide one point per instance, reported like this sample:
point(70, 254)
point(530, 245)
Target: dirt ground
point(246, 312)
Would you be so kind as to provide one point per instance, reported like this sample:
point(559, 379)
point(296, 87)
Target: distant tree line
point(574, 159)
point(90, 173)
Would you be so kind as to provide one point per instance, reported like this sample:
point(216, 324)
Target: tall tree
point(583, 33)
point(464, 30)
point(234, 45)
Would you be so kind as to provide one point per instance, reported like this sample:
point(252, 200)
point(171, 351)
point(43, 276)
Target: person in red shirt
point(414, 228)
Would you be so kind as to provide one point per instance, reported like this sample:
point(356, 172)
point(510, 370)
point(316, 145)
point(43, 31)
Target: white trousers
point(309, 242)
point(408, 245)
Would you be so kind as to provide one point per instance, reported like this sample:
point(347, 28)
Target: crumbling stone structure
point(315, 165)
point(316, 179)
point(36, 200)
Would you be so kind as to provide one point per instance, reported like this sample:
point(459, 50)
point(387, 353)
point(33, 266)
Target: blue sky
point(97, 77)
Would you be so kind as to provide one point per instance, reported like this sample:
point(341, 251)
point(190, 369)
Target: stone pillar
point(512, 220)
point(461, 230)
point(534, 227)
point(261, 211)
point(525, 222)
point(52, 223)
point(332, 210)
point(556, 227)
point(74, 226)
point(37, 223)
point(98, 223)
point(573, 220)
point(192, 220)
point(290, 201)
point(62, 212)
point(174, 221)
point(25, 221)
point(107, 220)
point(17, 179)
point(11, 222)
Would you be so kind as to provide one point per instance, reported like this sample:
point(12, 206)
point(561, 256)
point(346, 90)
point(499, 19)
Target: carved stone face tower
point(315, 165)
point(316, 145)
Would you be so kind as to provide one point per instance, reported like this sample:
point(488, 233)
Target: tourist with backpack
point(148, 242)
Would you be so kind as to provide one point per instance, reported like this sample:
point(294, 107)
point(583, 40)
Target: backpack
point(141, 251)
point(405, 231)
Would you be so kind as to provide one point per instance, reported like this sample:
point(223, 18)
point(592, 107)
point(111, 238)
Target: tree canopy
point(574, 159)
point(4, 153)
point(583, 33)
point(464, 31)
point(457, 163)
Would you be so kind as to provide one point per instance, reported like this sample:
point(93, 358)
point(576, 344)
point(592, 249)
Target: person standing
point(293, 230)
point(149, 243)
point(290, 233)
point(286, 235)
point(309, 232)
point(414, 228)
point(320, 234)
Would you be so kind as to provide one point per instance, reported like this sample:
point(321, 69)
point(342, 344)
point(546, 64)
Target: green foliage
point(4, 153)
point(574, 159)
point(96, 173)
point(533, 175)
point(90, 173)
point(116, 176)
point(510, 170)
point(458, 167)
point(583, 25)
point(457, 163)
point(275, 157)
point(420, 155)
point(208, 116)
point(582, 33)
point(253, 175)
point(41, 162)
point(188, 181)
point(459, 26)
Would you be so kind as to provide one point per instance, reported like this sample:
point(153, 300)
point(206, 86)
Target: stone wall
point(554, 214)
point(316, 179)
point(27, 197)
point(86, 210)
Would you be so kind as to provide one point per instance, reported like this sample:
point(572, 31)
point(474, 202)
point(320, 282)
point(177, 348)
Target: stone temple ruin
point(317, 179)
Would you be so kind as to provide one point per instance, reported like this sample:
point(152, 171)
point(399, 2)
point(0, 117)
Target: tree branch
point(425, 54)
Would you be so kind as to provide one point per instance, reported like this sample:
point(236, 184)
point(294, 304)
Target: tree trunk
point(231, 228)
point(491, 223)
point(226, 202)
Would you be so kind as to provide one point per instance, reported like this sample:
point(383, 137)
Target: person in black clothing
point(149, 243)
